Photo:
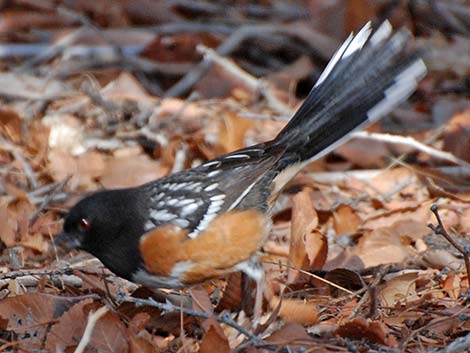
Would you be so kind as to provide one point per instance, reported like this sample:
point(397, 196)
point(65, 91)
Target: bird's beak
point(67, 241)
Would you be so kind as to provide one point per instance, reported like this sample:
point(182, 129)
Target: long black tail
point(369, 75)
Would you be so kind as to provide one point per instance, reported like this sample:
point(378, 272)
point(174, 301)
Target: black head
point(107, 224)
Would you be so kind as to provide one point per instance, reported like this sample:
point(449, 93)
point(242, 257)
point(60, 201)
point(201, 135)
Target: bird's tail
point(368, 76)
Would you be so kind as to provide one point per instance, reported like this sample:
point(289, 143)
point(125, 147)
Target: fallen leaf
point(401, 288)
point(381, 246)
point(452, 285)
point(346, 220)
point(214, 340)
point(120, 171)
point(457, 136)
point(291, 334)
point(307, 248)
point(109, 333)
point(232, 132)
point(201, 300)
point(361, 328)
point(29, 315)
point(296, 310)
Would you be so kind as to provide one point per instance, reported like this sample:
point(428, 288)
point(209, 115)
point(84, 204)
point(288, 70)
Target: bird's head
point(107, 224)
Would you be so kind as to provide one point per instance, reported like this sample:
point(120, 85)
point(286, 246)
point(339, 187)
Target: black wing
point(192, 198)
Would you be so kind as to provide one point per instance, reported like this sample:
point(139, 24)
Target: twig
point(441, 230)
point(249, 80)
point(90, 325)
point(409, 141)
point(15, 151)
point(49, 197)
point(168, 307)
point(51, 51)
point(310, 274)
point(228, 46)
point(23, 273)
point(369, 292)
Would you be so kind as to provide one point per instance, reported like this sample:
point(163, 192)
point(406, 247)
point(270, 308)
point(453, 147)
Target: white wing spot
point(239, 156)
point(162, 215)
point(211, 187)
point(217, 197)
point(181, 222)
point(212, 163)
point(149, 225)
point(187, 210)
point(213, 173)
point(184, 202)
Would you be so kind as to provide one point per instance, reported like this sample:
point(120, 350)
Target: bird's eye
point(84, 225)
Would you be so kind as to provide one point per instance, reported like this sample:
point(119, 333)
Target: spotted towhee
point(211, 220)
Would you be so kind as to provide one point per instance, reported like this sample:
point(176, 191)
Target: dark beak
point(67, 241)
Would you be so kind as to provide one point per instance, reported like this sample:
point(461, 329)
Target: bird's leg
point(253, 269)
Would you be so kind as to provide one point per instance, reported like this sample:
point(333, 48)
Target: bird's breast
point(230, 239)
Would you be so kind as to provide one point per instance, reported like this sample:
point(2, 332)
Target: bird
point(213, 219)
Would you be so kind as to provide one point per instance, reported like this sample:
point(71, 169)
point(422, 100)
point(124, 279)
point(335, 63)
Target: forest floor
point(369, 245)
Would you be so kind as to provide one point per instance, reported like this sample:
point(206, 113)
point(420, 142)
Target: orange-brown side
point(229, 239)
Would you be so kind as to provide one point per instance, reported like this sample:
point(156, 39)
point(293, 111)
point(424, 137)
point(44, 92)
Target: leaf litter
point(350, 263)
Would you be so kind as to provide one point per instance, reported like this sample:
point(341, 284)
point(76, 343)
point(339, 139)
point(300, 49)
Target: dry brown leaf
point(399, 289)
point(290, 334)
point(361, 328)
point(11, 126)
point(452, 285)
point(120, 171)
point(29, 314)
point(84, 169)
point(296, 310)
point(346, 220)
point(201, 300)
point(8, 226)
point(381, 246)
point(307, 247)
point(457, 136)
point(232, 295)
point(214, 340)
point(109, 333)
point(126, 87)
point(232, 131)
point(140, 340)
point(364, 153)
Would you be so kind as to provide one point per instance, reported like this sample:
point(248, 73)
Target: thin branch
point(321, 279)
point(23, 273)
point(249, 80)
point(409, 141)
point(368, 294)
point(48, 198)
point(16, 152)
point(441, 230)
point(168, 307)
point(228, 46)
point(92, 320)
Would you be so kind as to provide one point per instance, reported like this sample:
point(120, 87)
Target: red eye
point(84, 224)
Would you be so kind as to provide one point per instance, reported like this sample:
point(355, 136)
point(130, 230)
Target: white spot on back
point(212, 163)
point(235, 156)
point(211, 187)
point(162, 215)
point(217, 197)
point(187, 210)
